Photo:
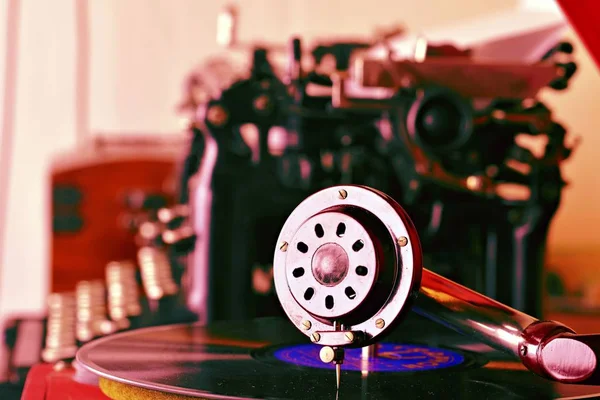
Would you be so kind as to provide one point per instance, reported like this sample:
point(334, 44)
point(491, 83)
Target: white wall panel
point(4, 11)
point(43, 124)
point(142, 50)
point(3, 45)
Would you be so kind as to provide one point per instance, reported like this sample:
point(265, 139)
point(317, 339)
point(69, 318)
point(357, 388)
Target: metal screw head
point(349, 337)
point(327, 354)
point(523, 350)
point(217, 115)
point(379, 323)
point(343, 194)
point(306, 324)
point(402, 241)
point(283, 246)
point(315, 337)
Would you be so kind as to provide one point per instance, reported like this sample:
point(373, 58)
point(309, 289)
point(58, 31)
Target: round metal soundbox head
point(348, 258)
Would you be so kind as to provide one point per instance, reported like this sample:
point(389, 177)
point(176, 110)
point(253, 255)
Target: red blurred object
point(584, 16)
point(100, 194)
point(45, 383)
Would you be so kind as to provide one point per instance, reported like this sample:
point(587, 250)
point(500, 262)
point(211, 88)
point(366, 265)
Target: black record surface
point(269, 359)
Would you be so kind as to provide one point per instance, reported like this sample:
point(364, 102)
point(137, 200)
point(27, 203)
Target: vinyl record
point(270, 359)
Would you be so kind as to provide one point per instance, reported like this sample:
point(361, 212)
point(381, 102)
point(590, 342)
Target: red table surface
point(43, 383)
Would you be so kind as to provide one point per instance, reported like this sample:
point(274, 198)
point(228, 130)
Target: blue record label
point(390, 357)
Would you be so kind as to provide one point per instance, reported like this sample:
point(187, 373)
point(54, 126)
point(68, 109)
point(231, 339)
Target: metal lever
point(552, 350)
point(547, 348)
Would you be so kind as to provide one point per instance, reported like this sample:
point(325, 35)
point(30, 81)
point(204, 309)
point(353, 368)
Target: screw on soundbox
point(315, 337)
point(343, 194)
point(283, 246)
point(306, 325)
point(380, 323)
point(402, 241)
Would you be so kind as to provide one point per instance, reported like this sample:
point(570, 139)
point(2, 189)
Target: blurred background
point(70, 69)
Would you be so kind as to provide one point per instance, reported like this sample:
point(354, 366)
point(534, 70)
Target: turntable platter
point(269, 358)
